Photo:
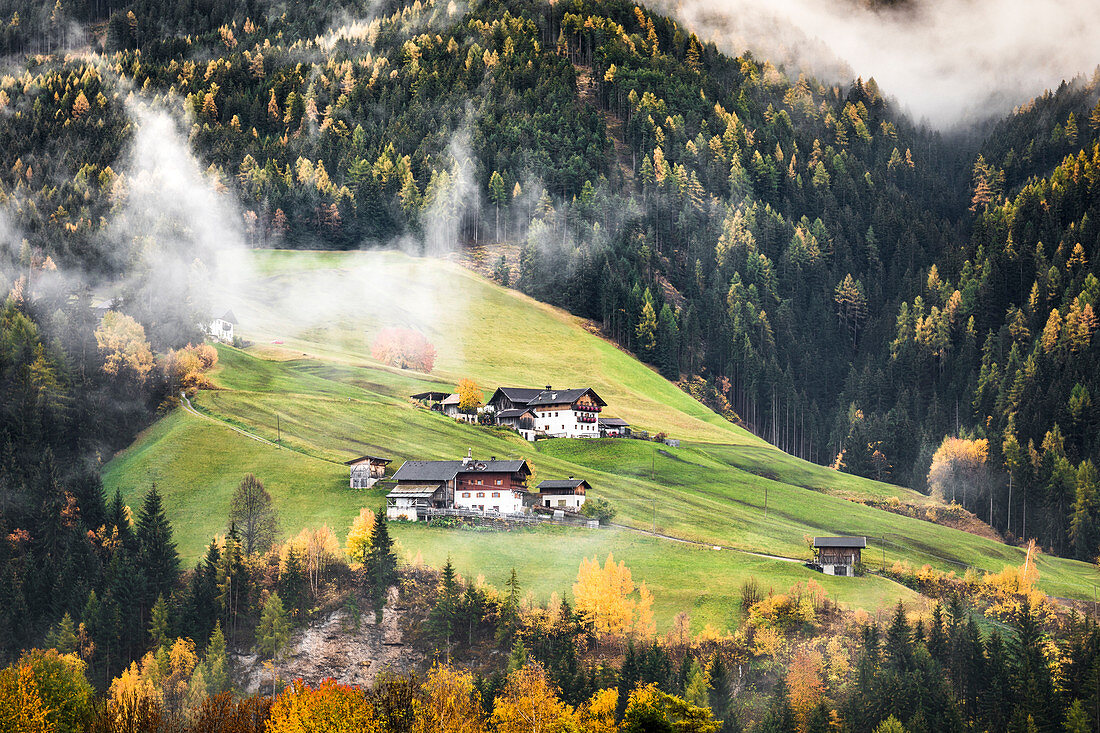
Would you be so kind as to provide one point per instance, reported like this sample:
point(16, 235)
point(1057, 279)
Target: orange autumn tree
point(404, 348)
point(605, 596)
point(805, 683)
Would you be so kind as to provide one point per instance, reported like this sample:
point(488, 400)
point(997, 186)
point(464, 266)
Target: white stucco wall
point(489, 499)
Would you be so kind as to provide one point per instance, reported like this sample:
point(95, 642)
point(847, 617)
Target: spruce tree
point(628, 680)
point(158, 623)
point(381, 564)
point(292, 583)
point(1031, 674)
point(157, 556)
point(780, 716)
point(216, 663)
point(719, 687)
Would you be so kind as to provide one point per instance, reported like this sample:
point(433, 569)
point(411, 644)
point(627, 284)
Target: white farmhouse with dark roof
point(567, 493)
point(554, 413)
point(221, 328)
point(492, 486)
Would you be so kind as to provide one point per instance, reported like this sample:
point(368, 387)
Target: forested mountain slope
point(769, 239)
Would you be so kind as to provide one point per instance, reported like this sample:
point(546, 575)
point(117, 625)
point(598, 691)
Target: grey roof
point(563, 396)
point(229, 317)
point(414, 491)
point(372, 459)
point(517, 412)
point(565, 483)
point(518, 394)
point(840, 541)
point(431, 396)
point(447, 470)
point(614, 422)
point(452, 399)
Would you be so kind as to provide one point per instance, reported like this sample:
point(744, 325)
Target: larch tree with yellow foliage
point(453, 703)
point(605, 596)
point(959, 470)
point(357, 546)
point(530, 704)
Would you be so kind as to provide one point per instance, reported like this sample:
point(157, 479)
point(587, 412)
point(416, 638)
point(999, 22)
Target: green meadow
point(308, 381)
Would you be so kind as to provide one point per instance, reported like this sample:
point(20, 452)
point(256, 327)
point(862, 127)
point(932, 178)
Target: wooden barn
point(839, 555)
point(367, 470)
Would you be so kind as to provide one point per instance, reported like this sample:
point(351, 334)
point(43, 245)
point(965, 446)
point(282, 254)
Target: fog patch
point(946, 62)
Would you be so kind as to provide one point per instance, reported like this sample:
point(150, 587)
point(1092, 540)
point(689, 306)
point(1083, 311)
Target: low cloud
point(946, 62)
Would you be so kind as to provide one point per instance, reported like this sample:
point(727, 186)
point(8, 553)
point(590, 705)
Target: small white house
point(569, 493)
point(221, 328)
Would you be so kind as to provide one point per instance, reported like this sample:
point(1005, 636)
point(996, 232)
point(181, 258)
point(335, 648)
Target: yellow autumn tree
point(358, 540)
point(318, 549)
point(453, 703)
point(21, 706)
point(122, 342)
point(529, 703)
point(597, 714)
point(469, 396)
point(603, 594)
point(959, 470)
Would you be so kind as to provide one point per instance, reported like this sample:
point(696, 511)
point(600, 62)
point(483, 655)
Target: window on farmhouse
point(465, 494)
point(496, 494)
point(500, 482)
point(481, 494)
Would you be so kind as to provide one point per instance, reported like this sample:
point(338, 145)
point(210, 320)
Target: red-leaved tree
point(401, 347)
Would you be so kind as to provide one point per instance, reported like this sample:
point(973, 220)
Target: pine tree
point(292, 583)
point(158, 624)
point(780, 716)
point(157, 556)
point(272, 633)
point(381, 565)
point(216, 663)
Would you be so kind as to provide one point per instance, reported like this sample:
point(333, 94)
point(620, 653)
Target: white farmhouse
point(569, 493)
point(490, 487)
point(221, 328)
point(563, 413)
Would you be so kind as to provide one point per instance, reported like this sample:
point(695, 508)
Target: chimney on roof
point(548, 388)
point(492, 458)
point(469, 457)
point(570, 478)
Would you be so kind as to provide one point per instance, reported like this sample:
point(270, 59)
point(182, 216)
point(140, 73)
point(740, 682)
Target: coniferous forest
point(858, 289)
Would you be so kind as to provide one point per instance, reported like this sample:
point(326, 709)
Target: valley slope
point(309, 383)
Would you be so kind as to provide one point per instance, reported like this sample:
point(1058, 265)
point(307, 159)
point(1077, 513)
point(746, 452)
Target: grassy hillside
point(322, 395)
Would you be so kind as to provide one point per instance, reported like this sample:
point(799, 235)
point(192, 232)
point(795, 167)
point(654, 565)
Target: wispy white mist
point(177, 241)
point(946, 62)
